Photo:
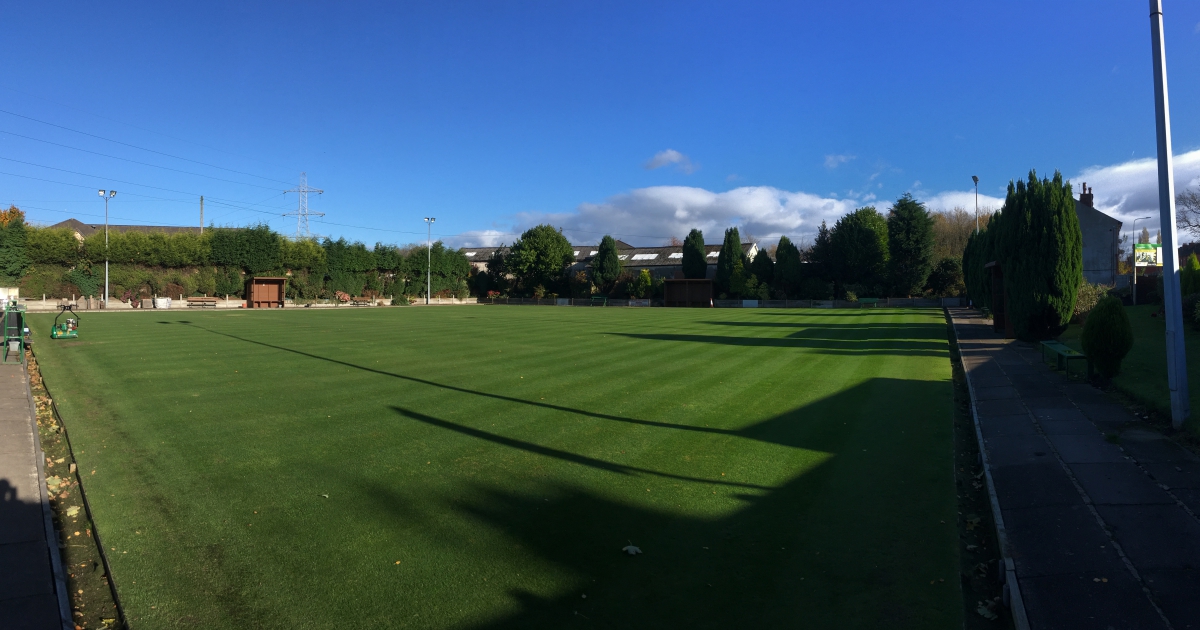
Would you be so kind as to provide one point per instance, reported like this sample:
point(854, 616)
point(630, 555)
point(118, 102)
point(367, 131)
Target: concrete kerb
point(60, 582)
point(1011, 588)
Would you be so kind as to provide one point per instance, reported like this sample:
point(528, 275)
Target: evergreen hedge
point(1107, 336)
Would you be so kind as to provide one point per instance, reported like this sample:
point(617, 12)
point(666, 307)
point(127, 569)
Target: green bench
point(599, 300)
point(1060, 357)
point(874, 302)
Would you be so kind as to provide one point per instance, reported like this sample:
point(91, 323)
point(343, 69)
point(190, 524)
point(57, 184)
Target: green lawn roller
point(16, 335)
point(68, 329)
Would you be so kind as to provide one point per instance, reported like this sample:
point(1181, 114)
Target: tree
point(859, 244)
point(910, 245)
point(606, 266)
point(13, 258)
point(787, 267)
point(695, 258)
point(1189, 280)
point(1040, 247)
point(731, 265)
point(946, 279)
point(540, 257)
point(820, 255)
point(1187, 217)
point(763, 268)
point(952, 228)
point(1145, 236)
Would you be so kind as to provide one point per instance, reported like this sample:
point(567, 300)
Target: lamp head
point(112, 193)
point(975, 179)
point(103, 192)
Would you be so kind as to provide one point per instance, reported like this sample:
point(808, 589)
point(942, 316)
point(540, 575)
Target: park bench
point(1061, 357)
point(874, 302)
point(209, 302)
point(361, 301)
point(599, 300)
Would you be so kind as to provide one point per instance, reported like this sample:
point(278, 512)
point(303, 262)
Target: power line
point(167, 168)
point(134, 146)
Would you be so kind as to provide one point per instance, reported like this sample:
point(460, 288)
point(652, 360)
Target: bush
point(1089, 294)
point(1188, 304)
point(1107, 336)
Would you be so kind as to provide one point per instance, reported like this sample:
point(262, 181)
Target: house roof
point(87, 229)
point(630, 256)
point(1083, 209)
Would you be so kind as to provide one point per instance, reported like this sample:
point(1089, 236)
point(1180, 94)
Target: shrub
point(1089, 294)
point(1188, 304)
point(1107, 336)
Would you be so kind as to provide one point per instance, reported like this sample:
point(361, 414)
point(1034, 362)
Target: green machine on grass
point(16, 333)
point(68, 329)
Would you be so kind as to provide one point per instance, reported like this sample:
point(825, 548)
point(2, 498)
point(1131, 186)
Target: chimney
point(1085, 195)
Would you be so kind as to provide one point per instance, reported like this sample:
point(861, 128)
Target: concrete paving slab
point(1034, 485)
point(992, 393)
point(1058, 539)
point(1118, 484)
point(990, 381)
point(1068, 427)
point(1061, 413)
point(16, 441)
point(1046, 402)
point(1018, 450)
point(1155, 536)
point(36, 612)
point(1149, 447)
point(1108, 412)
point(26, 570)
point(1180, 474)
point(20, 521)
point(1086, 449)
point(1176, 591)
point(1004, 407)
point(1190, 498)
point(1077, 601)
point(1008, 425)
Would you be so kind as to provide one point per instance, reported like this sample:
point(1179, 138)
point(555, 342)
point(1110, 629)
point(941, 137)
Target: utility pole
point(106, 195)
point(976, 180)
point(302, 213)
point(1176, 359)
point(428, 256)
point(201, 214)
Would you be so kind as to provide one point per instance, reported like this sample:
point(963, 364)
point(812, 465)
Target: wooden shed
point(265, 292)
point(691, 292)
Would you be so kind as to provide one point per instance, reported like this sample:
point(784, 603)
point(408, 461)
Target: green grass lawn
point(1143, 374)
point(480, 467)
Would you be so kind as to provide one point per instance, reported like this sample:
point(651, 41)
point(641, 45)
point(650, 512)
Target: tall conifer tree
point(695, 260)
point(787, 267)
point(910, 245)
point(731, 265)
point(606, 266)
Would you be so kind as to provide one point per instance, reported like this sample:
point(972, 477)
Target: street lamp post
point(106, 195)
point(1133, 258)
point(976, 180)
point(428, 256)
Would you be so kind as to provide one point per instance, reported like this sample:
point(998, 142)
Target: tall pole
point(975, 178)
point(106, 194)
point(428, 256)
point(201, 214)
point(1176, 359)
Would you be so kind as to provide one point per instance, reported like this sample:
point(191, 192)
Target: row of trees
point(1038, 245)
point(53, 261)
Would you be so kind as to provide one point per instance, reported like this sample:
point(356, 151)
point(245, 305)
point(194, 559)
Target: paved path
point(29, 597)
point(1099, 514)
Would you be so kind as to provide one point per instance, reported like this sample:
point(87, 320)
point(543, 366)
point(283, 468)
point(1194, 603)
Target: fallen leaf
point(986, 613)
point(73, 510)
point(631, 550)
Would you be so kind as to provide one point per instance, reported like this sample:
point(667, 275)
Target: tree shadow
point(850, 542)
point(849, 346)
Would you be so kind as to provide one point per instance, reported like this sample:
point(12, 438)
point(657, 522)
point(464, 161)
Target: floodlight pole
point(106, 195)
point(975, 178)
point(1176, 359)
point(428, 256)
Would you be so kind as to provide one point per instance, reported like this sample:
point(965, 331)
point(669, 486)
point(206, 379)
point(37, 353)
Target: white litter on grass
point(631, 550)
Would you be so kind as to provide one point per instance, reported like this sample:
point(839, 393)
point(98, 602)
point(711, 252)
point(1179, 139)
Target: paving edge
point(1015, 602)
point(60, 582)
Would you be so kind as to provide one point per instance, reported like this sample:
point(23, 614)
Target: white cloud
point(1130, 190)
point(1197, 29)
point(965, 199)
point(669, 157)
point(480, 238)
point(833, 161)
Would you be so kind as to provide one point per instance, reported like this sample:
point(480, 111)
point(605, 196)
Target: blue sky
point(640, 119)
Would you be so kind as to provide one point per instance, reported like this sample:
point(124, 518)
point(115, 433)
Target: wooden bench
point(874, 302)
point(361, 301)
point(203, 302)
point(1061, 357)
point(599, 300)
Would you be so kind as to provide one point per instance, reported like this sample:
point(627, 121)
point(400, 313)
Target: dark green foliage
point(1189, 276)
point(946, 279)
point(1188, 304)
point(788, 268)
point(820, 257)
point(51, 246)
point(88, 284)
point(451, 269)
point(228, 281)
point(606, 265)
point(859, 247)
point(255, 249)
point(305, 253)
point(540, 258)
point(1107, 336)
point(388, 257)
point(730, 278)
point(695, 260)
point(763, 268)
point(1042, 251)
point(910, 245)
point(13, 259)
point(981, 250)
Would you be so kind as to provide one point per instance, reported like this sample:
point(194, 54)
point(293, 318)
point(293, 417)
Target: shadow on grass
point(848, 346)
point(834, 546)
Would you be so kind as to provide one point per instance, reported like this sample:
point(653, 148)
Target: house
point(662, 262)
point(1101, 238)
point(83, 230)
